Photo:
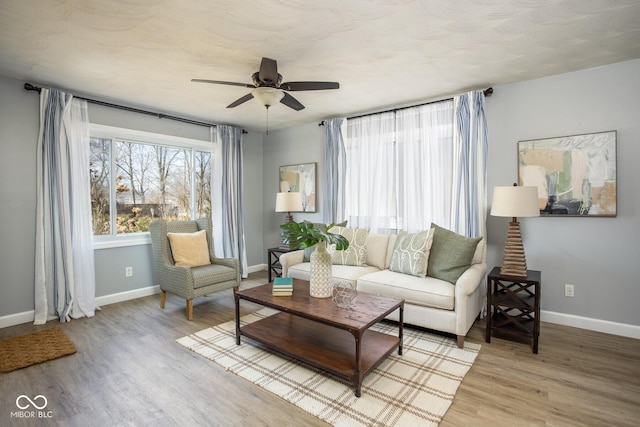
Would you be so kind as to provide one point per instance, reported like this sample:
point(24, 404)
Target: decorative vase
point(321, 285)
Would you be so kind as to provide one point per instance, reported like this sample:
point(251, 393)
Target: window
point(137, 177)
point(400, 168)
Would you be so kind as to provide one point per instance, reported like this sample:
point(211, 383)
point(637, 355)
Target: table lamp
point(288, 202)
point(514, 202)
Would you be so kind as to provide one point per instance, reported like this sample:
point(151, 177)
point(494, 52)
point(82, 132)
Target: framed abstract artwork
point(575, 175)
point(300, 178)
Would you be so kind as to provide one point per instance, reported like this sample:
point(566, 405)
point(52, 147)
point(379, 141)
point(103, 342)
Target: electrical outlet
point(569, 291)
point(128, 271)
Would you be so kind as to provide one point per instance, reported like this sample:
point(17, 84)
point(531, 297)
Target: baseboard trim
point(127, 295)
point(256, 268)
point(29, 316)
point(597, 325)
point(17, 318)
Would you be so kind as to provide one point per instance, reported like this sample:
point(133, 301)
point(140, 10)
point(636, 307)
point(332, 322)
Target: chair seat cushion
point(211, 274)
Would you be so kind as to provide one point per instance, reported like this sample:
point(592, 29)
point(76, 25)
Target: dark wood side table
point(273, 258)
point(513, 307)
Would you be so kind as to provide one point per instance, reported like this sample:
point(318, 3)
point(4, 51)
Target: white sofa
point(429, 302)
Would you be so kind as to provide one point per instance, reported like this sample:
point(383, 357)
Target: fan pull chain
point(267, 119)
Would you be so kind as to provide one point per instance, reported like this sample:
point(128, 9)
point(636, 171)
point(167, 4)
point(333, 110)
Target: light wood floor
point(129, 371)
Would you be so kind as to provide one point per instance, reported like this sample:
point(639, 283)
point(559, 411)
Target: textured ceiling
point(384, 53)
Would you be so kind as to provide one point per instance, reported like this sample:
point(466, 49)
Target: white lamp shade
point(289, 202)
point(267, 96)
point(514, 201)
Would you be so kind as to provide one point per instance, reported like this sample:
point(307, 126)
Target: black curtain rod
point(487, 92)
point(29, 86)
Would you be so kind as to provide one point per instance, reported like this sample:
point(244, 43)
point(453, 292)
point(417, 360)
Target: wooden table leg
point(401, 329)
point(357, 375)
point(237, 300)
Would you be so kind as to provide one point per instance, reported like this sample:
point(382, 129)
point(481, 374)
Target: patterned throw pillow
point(411, 253)
point(451, 254)
point(356, 253)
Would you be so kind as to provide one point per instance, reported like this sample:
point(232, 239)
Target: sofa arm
point(469, 281)
point(290, 259)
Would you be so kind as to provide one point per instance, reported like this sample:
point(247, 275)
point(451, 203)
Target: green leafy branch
point(300, 235)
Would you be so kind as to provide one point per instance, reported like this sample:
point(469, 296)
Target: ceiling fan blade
point(291, 102)
point(268, 70)
point(240, 101)
point(218, 82)
point(295, 86)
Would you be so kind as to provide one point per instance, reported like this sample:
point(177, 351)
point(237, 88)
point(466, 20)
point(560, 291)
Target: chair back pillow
point(189, 249)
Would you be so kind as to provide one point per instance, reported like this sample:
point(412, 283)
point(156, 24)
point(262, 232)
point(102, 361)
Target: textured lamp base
point(514, 262)
point(283, 244)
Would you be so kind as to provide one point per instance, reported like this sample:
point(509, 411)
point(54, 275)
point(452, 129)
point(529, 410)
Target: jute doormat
point(37, 347)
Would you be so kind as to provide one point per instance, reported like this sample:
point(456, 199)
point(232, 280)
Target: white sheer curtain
point(370, 184)
point(64, 260)
point(424, 159)
point(414, 166)
point(226, 197)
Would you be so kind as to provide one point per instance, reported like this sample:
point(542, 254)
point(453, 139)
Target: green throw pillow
point(356, 253)
point(451, 254)
point(308, 251)
point(411, 253)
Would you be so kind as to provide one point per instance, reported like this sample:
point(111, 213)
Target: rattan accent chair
point(189, 282)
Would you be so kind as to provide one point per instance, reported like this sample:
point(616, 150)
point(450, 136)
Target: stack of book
point(282, 287)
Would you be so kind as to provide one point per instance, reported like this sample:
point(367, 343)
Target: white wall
point(597, 255)
point(300, 144)
point(18, 140)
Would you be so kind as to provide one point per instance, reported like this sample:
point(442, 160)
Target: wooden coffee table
point(317, 332)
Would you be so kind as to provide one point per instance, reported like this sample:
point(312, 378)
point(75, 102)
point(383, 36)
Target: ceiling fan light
point(267, 96)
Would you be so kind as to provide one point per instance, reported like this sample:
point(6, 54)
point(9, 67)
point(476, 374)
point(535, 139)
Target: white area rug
point(414, 389)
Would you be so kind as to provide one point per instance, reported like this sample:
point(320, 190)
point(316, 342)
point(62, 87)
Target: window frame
point(114, 133)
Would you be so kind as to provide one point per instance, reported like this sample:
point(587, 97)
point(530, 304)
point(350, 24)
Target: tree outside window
point(133, 183)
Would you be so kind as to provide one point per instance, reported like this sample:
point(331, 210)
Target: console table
point(273, 258)
point(513, 307)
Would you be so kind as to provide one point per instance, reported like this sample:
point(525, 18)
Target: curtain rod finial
point(29, 86)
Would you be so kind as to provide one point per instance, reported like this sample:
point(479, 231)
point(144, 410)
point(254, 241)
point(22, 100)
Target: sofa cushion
point(339, 273)
point(423, 291)
point(411, 253)
point(356, 253)
point(392, 244)
point(189, 249)
point(377, 250)
point(451, 254)
point(479, 253)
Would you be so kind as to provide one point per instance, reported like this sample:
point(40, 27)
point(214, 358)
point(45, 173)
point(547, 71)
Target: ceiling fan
point(268, 87)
